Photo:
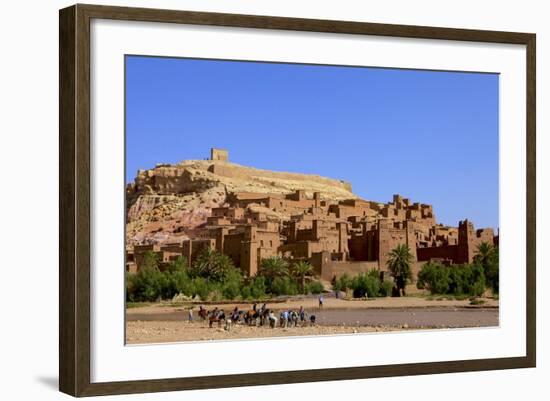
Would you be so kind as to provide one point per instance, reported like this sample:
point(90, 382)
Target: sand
point(160, 323)
point(139, 332)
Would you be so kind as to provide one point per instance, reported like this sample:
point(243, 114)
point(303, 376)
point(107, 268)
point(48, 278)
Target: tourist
point(272, 319)
point(312, 320)
point(235, 315)
point(263, 314)
point(190, 314)
point(321, 300)
point(284, 318)
point(213, 317)
point(203, 313)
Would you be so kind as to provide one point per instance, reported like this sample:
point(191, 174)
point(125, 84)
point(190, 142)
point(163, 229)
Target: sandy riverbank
point(140, 332)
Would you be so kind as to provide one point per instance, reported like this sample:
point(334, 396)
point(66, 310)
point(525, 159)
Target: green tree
point(273, 267)
point(436, 278)
point(232, 284)
point(149, 284)
point(487, 257)
point(150, 261)
point(399, 264)
point(255, 288)
point(484, 254)
point(343, 283)
point(178, 265)
point(365, 284)
point(456, 279)
point(301, 270)
point(212, 265)
point(284, 286)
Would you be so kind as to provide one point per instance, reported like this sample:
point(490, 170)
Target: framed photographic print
point(250, 200)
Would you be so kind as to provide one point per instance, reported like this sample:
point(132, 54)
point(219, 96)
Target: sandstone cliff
point(170, 202)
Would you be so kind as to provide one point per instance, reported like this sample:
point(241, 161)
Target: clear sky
point(430, 136)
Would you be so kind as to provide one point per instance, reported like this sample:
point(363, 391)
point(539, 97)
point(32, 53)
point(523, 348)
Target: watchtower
point(219, 154)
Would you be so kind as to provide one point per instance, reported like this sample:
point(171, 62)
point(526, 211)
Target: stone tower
point(466, 242)
point(219, 154)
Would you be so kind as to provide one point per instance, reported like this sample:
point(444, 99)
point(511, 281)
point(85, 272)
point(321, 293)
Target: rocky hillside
point(171, 202)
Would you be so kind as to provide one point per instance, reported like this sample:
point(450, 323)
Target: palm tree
point(487, 256)
point(273, 267)
point(484, 253)
point(302, 269)
point(399, 264)
point(212, 265)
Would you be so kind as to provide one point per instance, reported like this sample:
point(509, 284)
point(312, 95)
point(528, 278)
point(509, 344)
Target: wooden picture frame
point(74, 203)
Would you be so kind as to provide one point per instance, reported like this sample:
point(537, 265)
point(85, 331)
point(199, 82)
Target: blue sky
point(431, 136)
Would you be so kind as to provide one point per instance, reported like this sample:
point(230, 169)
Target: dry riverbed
point(159, 323)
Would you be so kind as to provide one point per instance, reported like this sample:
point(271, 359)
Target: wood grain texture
point(74, 199)
point(67, 265)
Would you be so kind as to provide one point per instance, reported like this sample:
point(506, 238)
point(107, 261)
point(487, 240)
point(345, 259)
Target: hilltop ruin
point(250, 214)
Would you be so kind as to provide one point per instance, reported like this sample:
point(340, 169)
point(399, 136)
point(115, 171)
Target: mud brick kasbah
point(334, 234)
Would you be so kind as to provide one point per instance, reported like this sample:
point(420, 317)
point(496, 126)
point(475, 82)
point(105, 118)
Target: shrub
point(178, 265)
point(368, 284)
point(343, 283)
point(365, 285)
point(434, 277)
point(284, 286)
point(231, 287)
point(181, 282)
point(254, 289)
point(386, 288)
point(246, 293)
point(477, 284)
point(457, 280)
point(257, 288)
point(315, 287)
point(150, 261)
point(487, 256)
point(200, 288)
point(147, 285)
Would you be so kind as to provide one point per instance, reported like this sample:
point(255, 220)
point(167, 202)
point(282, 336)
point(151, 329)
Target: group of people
point(289, 318)
point(257, 316)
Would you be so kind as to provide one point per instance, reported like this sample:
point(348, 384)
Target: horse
point(236, 315)
point(251, 317)
point(216, 316)
point(203, 313)
point(264, 314)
